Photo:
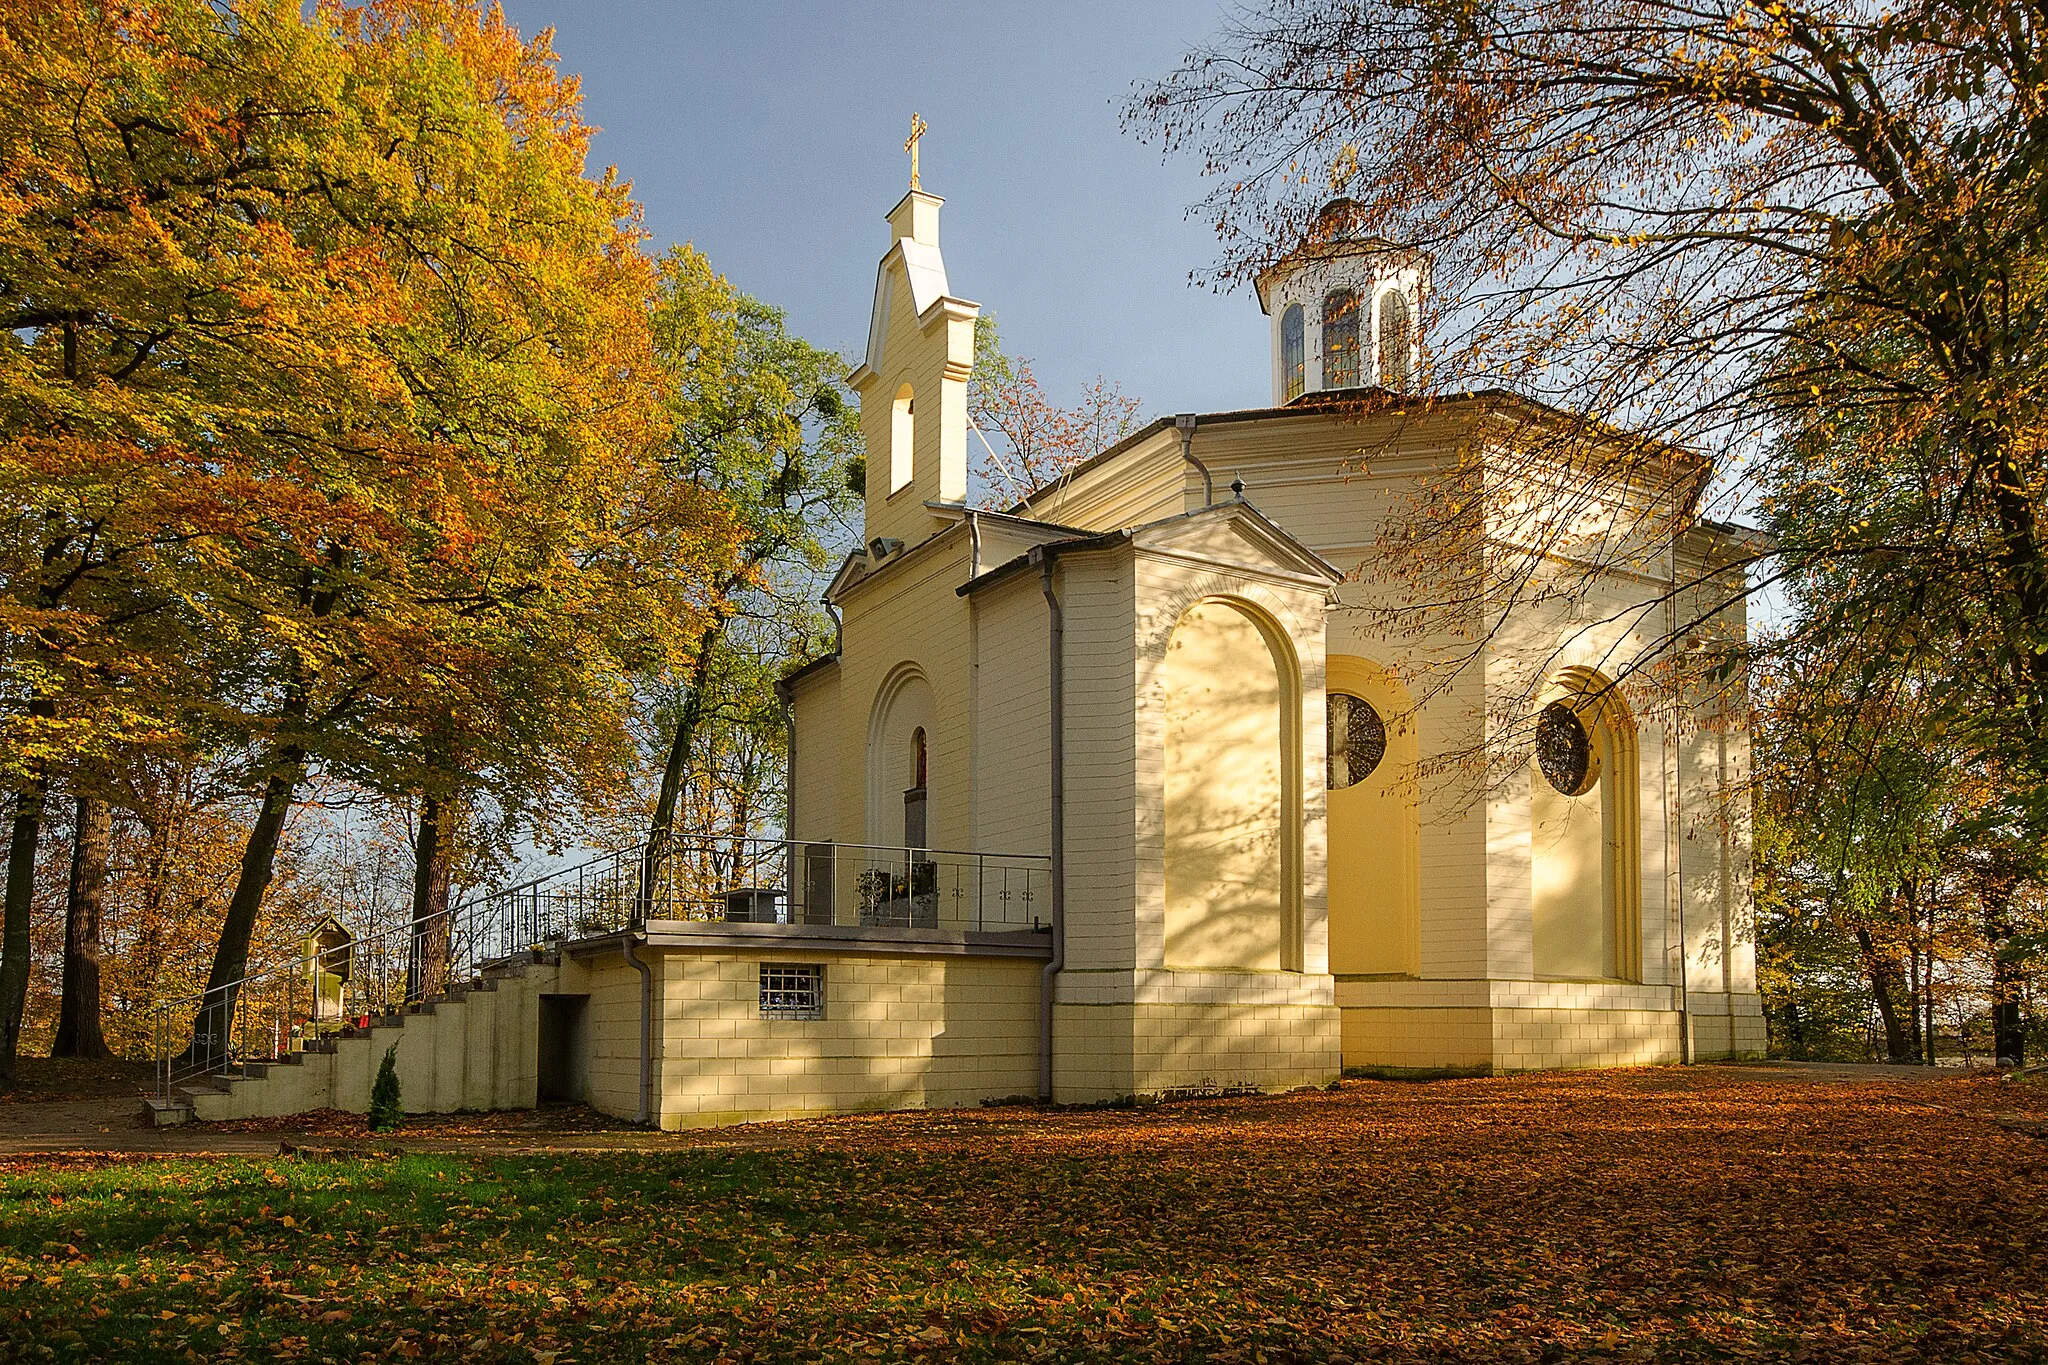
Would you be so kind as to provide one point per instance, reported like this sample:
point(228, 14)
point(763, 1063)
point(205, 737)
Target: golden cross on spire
point(918, 128)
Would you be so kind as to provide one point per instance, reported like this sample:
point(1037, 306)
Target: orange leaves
point(1027, 439)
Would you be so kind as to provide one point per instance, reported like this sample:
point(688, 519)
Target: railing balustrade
point(288, 1006)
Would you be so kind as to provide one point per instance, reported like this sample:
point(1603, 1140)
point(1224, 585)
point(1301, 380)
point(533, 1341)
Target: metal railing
point(346, 982)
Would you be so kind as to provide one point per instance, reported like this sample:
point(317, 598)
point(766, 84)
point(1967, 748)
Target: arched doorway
point(1585, 837)
point(1375, 852)
point(1230, 788)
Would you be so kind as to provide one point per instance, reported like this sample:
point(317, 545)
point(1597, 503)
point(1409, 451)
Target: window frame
point(1293, 353)
point(792, 991)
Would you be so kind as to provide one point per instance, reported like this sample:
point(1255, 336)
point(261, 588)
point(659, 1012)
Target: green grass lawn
point(1647, 1215)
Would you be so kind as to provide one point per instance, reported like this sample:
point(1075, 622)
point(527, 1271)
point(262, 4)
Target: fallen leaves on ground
point(1649, 1215)
point(42, 1079)
point(338, 1123)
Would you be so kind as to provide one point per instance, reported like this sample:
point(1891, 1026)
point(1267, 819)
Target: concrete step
point(167, 1113)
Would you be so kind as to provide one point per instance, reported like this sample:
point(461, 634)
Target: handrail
point(289, 1005)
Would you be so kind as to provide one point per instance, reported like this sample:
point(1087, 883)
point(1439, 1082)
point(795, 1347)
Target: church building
point(1138, 787)
point(1168, 672)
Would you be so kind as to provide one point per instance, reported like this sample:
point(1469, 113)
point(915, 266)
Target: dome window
point(1293, 353)
point(1340, 339)
point(1394, 342)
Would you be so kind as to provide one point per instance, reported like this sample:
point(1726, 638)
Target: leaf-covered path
point(1711, 1214)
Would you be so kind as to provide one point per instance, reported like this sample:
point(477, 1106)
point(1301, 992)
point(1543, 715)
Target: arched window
point(1293, 353)
point(1586, 873)
point(1374, 827)
point(1394, 340)
point(902, 436)
point(1357, 740)
point(1340, 340)
point(917, 757)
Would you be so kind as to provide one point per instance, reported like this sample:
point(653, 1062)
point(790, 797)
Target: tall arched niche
point(904, 712)
point(1585, 833)
point(1375, 843)
point(1232, 791)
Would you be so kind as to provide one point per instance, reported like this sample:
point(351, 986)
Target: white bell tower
point(913, 380)
point(1346, 311)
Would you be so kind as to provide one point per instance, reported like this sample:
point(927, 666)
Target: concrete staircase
point(475, 1047)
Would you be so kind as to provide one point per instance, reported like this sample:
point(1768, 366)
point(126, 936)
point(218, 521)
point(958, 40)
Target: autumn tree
point(1027, 439)
point(1897, 728)
point(1683, 221)
point(530, 554)
point(331, 413)
point(761, 416)
point(175, 298)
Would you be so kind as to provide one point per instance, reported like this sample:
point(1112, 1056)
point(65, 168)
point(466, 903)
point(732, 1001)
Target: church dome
point(1345, 309)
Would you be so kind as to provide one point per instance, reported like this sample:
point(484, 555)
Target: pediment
point(852, 570)
point(1237, 535)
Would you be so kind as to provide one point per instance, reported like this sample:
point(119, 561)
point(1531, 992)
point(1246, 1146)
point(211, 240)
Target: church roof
point(1326, 403)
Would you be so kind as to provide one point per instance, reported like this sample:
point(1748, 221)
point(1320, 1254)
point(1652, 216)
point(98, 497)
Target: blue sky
point(771, 134)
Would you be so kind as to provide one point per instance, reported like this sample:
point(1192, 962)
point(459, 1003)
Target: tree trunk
point(681, 746)
point(211, 1026)
point(1885, 984)
point(675, 772)
point(1914, 1040)
point(2008, 981)
point(14, 935)
point(426, 970)
point(78, 1016)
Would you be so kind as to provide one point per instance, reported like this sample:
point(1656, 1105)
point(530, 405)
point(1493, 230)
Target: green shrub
point(385, 1111)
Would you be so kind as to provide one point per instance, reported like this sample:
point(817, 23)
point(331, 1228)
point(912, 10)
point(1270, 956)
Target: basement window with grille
point(792, 991)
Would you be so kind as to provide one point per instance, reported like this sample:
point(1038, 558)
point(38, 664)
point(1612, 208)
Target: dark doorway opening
point(564, 1048)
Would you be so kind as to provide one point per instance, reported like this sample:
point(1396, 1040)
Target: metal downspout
point(788, 703)
point(1675, 837)
point(646, 1022)
point(1056, 723)
point(1187, 422)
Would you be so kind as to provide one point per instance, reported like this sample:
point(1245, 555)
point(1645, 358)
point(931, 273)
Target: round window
point(1564, 750)
point(1358, 739)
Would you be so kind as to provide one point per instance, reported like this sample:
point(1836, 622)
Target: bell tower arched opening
point(902, 439)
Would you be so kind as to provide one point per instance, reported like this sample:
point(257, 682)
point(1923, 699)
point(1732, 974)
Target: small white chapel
point(1164, 673)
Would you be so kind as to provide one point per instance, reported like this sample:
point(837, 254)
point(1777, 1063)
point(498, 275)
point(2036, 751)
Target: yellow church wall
point(1011, 706)
point(1111, 1052)
point(1528, 827)
point(1167, 587)
point(1571, 930)
point(897, 1033)
point(1145, 483)
point(1102, 757)
point(612, 1021)
point(1500, 1041)
point(814, 703)
point(1331, 482)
